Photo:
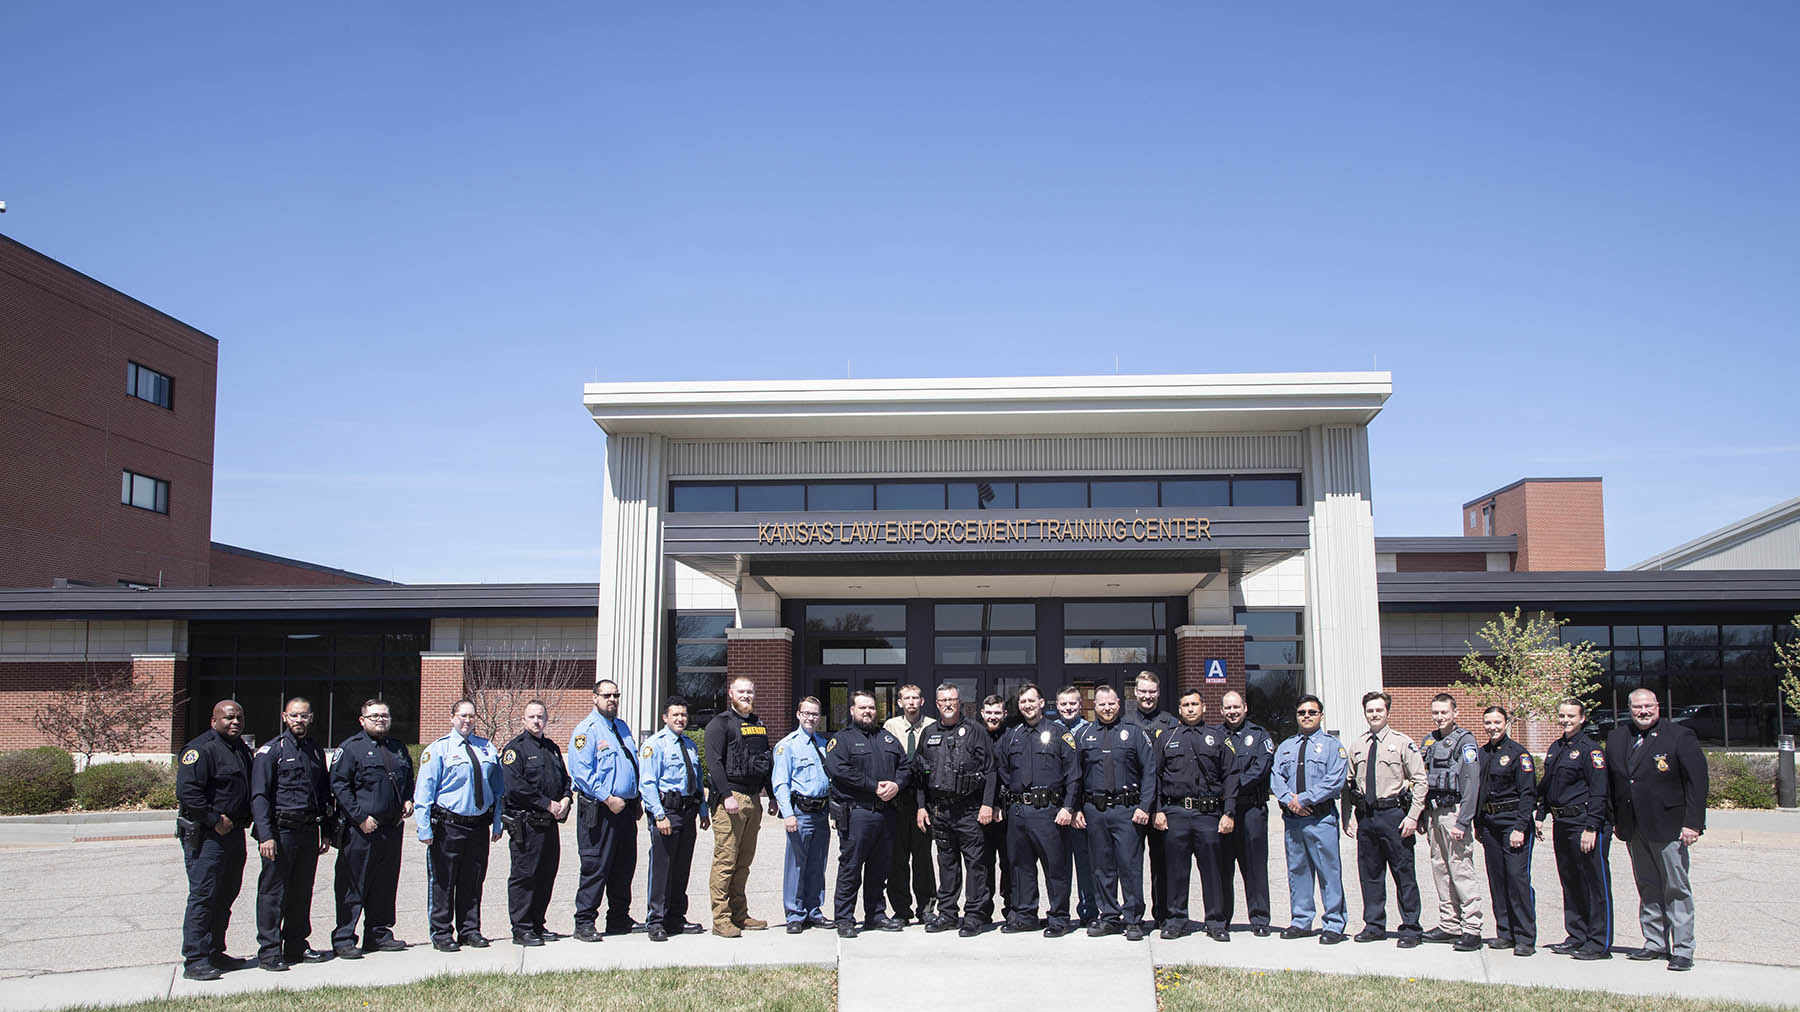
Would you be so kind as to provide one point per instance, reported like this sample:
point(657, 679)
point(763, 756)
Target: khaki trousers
point(734, 847)
point(1453, 872)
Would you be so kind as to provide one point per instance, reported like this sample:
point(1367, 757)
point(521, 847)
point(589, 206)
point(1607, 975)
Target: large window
point(1132, 633)
point(1274, 666)
point(858, 634)
point(985, 494)
point(144, 492)
point(973, 633)
point(699, 663)
point(147, 384)
point(1717, 679)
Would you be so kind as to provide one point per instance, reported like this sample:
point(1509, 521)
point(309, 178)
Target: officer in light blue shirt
point(674, 791)
point(457, 806)
point(801, 787)
point(1307, 777)
point(603, 764)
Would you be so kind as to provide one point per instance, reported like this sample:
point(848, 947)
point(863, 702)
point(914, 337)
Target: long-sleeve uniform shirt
point(288, 775)
point(603, 758)
point(372, 778)
point(1574, 784)
point(1117, 758)
point(1253, 754)
point(1197, 761)
point(447, 777)
point(858, 760)
point(799, 769)
point(1326, 766)
point(671, 765)
point(1508, 785)
point(214, 780)
point(1399, 773)
point(955, 765)
point(533, 771)
point(1040, 757)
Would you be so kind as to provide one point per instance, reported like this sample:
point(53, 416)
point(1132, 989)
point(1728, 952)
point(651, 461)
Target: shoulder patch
point(649, 750)
point(190, 757)
point(1270, 745)
point(1342, 753)
point(1470, 755)
point(1412, 746)
point(1599, 759)
point(780, 749)
point(1069, 739)
point(1525, 762)
point(509, 757)
point(831, 744)
point(263, 751)
point(580, 742)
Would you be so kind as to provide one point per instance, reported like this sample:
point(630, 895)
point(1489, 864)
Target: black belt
point(1102, 800)
point(944, 803)
point(1038, 797)
point(802, 803)
point(1568, 811)
point(296, 819)
point(874, 805)
point(1380, 803)
point(1205, 806)
point(442, 814)
point(1497, 807)
point(743, 788)
point(1438, 799)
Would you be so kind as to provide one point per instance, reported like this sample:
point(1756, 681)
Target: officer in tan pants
point(739, 759)
point(1452, 772)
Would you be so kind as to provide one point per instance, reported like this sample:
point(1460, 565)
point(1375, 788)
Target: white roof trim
point(1725, 537)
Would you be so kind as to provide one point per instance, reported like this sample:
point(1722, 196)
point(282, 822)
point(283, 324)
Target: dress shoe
point(445, 945)
point(388, 944)
point(1524, 949)
point(307, 956)
point(1681, 962)
point(1013, 927)
point(226, 962)
point(658, 933)
point(550, 936)
point(1219, 934)
point(1564, 948)
point(753, 924)
point(1173, 930)
point(1294, 931)
point(1330, 937)
point(1057, 929)
point(968, 930)
point(476, 941)
point(1408, 942)
point(1645, 955)
point(846, 929)
point(1499, 943)
point(1438, 935)
point(1370, 935)
point(1100, 929)
point(817, 921)
point(625, 927)
point(527, 939)
point(690, 928)
point(1260, 930)
point(274, 964)
point(727, 930)
point(1590, 955)
point(882, 922)
point(795, 927)
point(202, 971)
point(586, 933)
point(1134, 932)
point(939, 923)
point(1468, 943)
point(348, 952)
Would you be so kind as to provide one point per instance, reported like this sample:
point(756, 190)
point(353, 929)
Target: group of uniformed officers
point(1002, 799)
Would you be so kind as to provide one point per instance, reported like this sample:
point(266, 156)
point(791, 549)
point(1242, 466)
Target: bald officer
point(1383, 800)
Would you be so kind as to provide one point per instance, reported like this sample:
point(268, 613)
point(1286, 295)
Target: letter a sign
point(1215, 669)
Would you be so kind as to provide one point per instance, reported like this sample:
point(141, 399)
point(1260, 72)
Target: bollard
point(1784, 771)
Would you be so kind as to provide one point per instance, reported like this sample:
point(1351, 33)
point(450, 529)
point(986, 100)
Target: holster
point(188, 832)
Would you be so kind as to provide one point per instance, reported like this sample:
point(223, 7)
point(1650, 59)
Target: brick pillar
point(1197, 644)
point(440, 686)
point(166, 674)
point(766, 657)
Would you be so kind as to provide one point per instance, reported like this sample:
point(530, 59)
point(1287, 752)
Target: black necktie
point(687, 764)
point(1369, 789)
point(475, 775)
point(1300, 767)
point(629, 754)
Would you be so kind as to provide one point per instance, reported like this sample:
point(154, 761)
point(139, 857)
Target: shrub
point(415, 751)
point(162, 797)
point(120, 785)
point(1740, 781)
point(36, 780)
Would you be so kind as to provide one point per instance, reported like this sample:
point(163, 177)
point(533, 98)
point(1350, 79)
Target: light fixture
point(1113, 586)
point(853, 586)
point(983, 586)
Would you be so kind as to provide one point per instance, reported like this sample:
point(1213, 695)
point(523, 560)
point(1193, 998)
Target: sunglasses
point(1309, 712)
point(607, 695)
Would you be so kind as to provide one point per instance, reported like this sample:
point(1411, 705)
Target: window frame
point(135, 372)
point(159, 495)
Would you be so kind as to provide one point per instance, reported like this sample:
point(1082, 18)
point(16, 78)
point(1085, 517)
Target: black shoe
point(1408, 942)
point(1134, 932)
point(1524, 949)
point(1015, 927)
point(1467, 943)
point(307, 956)
point(227, 962)
point(904, 919)
point(273, 964)
point(1681, 962)
point(623, 928)
point(586, 933)
point(1330, 937)
point(1589, 955)
point(1564, 948)
point(445, 945)
point(1057, 929)
point(476, 941)
point(1370, 935)
point(1173, 929)
point(818, 922)
point(202, 971)
point(550, 936)
point(1100, 929)
point(388, 944)
point(1499, 943)
point(1293, 931)
point(793, 927)
point(658, 933)
point(527, 939)
point(846, 929)
point(1438, 934)
point(1219, 934)
point(882, 922)
point(347, 952)
point(1645, 955)
point(690, 928)
point(1260, 930)
point(937, 924)
point(969, 930)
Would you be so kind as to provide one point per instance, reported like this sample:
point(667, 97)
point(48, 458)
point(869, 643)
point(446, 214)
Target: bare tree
point(501, 683)
point(106, 712)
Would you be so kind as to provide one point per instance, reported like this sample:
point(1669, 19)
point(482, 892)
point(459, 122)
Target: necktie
point(629, 754)
point(1369, 789)
point(1300, 767)
point(687, 763)
point(813, 740)
point(475, 776)
point(912, 740)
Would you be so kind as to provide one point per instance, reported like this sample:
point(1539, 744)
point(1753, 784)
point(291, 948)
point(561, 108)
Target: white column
point(1343, 657)
point(628, 643)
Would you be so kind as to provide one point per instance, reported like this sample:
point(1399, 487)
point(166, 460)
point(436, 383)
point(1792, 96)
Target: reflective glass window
point(983, 495)
point(1053, 494)
point(1693, 635)
point(909, 495)
point(840, 496)
point(855, 617)
point(957, 617)
point(1598, 635)
point(1012, 616)
point(771, 498)
point(1125, 494)
point(1197, 492)
point(1265, 492)
point(1115, 615)
point(702, 498)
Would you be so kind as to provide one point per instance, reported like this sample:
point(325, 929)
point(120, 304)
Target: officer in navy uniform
point(1244, 831)
point(1118, 783)
point(1196, 785)
point(1068, 714)
point(457, 807)
point(1309, 775)
point(996, 857)
point(536, 802)
point(372, 781)
point(603, 764)
point(669, 781)
point(868, 770)
point(1036, 761)
point(290, 798)
point(954, 767)
point(1508, 798)
point(212, 789)
point(1148, 690)
point(1574, 791)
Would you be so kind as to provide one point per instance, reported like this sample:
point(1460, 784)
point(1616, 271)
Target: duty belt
point(1205, 806)
point(442, 814)
point(1496, 807)
point(1568, 811)
point(1102, 800)
point(1379, 803)
point(1443, 799)
point(802, 803)
point(1038, 797)
point(947, 802)
point(296, 819)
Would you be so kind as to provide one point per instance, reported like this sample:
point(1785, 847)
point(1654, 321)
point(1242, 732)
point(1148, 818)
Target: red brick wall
point(1412, 681)
point(25, 686)
point(440, 686)
point(232, 569)
point(1431, 562)
point(1191, 655)
point(770, 664)
point(67, 430)
point(1561, 524)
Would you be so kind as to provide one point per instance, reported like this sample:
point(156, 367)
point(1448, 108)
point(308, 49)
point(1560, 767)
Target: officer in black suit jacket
point(1658, 786)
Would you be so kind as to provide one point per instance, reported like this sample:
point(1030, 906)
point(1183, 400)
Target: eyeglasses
point(607, 695)
point(1308, 712)
point(805, 715)
point(376, 716)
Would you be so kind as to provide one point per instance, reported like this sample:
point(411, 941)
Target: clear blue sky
point(1572, 232)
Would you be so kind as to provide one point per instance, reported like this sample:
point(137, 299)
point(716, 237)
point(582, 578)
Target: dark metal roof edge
point(1454, 543)
point(1521, 481)
point(386, 599)
point(1779, 588)
point(250, 553)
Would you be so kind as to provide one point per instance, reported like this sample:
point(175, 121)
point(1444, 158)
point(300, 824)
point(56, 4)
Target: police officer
point(1508, 798)
point(1308, 777)
point(1147, 689)
point(1658, 787)
point(1036, 761)
point(1244, 830)
point(995, 859)
point(1452, 781)
point(674, 796)
point(1068, 714)
point(1383, 800)
point(1118, 783)
point(1195, 787)
point(536, 802)
point(954, 768)
point(372, 780)
point(603, 763)
point(910, 888)
point(868, 770)
point(457, 807)
point(290, 799)
point(1574, 791)
point(738, 767)
point(802, 794)
point(212, 788)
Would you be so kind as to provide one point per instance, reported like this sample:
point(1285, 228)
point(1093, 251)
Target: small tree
point(1527, 669)
point(500, 684)
point(1787, 658)
point(105, 712)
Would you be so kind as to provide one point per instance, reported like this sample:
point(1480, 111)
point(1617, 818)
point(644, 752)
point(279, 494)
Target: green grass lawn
point(1205, 989)
point(764, 989)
